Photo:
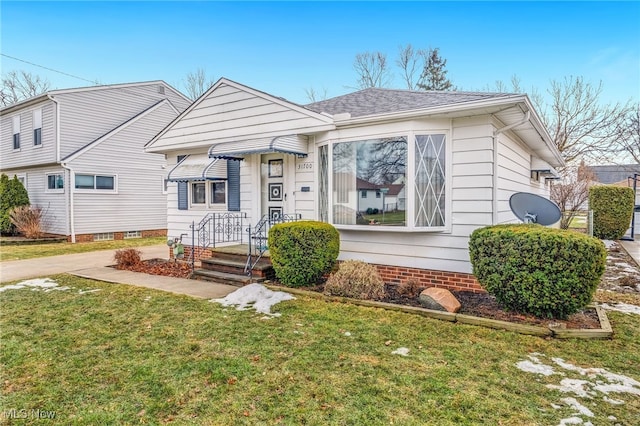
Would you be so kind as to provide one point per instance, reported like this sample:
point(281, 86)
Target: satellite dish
point(532, 208)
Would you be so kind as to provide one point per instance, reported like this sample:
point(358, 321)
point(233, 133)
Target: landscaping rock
point(439, 299)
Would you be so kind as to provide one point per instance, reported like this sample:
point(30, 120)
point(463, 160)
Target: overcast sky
point(284, 48)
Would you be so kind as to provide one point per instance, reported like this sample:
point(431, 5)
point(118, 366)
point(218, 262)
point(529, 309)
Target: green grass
point(126, 355)
point(389, 218)
point(30, 251)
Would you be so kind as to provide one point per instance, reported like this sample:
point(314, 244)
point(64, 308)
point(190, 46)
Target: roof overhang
point(291, 144)
point(198, 167)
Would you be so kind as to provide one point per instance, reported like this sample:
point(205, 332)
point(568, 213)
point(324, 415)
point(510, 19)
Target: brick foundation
point(457, 281)
point(86, 238)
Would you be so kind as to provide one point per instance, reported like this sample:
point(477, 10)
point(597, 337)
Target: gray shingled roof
point(615, 173)
point(380, 101)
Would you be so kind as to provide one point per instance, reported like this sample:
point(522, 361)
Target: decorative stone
point(439, 299)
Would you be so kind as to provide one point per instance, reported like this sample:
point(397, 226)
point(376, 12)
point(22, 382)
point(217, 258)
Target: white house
point(79, 153)
point(456, 158)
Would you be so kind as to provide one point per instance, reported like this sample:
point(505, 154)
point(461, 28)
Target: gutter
point(66, 167)
point(494, 186)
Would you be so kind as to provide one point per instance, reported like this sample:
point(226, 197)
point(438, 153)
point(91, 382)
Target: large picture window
point(376, 165)
point(387, 182)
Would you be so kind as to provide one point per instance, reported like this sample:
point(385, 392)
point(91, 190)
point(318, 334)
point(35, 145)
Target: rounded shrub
point(302, 252)
point(550, 273)
point(612, 210)
point(356, 279)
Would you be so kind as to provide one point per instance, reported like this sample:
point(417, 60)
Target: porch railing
point(258, 237)
point(216, 228)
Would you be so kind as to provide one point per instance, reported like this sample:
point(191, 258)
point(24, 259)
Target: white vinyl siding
point(29, 155)
point(139, 203)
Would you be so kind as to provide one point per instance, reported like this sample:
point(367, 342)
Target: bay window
point(407, 174)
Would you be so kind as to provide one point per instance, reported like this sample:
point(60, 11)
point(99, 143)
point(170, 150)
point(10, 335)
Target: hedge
point(612, 210)
point(12, 194)
point(550, 273)
point(302, 252)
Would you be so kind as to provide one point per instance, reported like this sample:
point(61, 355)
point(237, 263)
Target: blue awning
point(291, 144)
point(197, 168)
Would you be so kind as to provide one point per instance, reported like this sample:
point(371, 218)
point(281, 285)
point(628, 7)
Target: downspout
point(494, 186)
point(66, 167)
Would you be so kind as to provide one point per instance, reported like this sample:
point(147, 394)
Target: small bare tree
point(20, 85)
point(572, 192)
point(314, 96)
point(372, 69)
point(197, 83)
point(410, 62)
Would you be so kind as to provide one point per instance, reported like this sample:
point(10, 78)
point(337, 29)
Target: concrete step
point(236, 266)
point(224, 277)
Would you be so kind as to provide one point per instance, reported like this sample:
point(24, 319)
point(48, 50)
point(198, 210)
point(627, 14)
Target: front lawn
point(100, 353)
point(30, 251)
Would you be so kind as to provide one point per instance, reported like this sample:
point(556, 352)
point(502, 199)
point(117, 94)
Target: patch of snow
point(532, 367)
point(573, 403)
point(570, 421)
point(609, 243)
point(612, 418)
point(612, 401)
point(346, 333)
point(34, 284)
point(622, 307)
point(89, 291)
point(401, 351)
point(574, 386)
point(254, 296)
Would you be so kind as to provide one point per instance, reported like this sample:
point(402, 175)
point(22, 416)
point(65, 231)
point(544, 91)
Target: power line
point(49, 69)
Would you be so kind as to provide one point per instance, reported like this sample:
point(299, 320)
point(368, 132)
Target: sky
point(288, 48)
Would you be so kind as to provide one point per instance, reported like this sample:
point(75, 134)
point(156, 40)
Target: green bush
point(356, 279)
point(302, 252)
point(12, 194)
point(532, 269)
point(612, 210)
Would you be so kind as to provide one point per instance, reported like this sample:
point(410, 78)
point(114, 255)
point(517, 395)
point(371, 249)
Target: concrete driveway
point(31, 268)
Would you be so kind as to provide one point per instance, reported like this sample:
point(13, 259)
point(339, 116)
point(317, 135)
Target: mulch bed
point(167, 268)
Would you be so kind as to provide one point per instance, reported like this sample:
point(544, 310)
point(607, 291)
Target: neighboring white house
point(79, 153)
point(456, 158)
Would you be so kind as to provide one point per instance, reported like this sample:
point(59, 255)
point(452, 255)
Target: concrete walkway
point(94, 265)
point(633, 248)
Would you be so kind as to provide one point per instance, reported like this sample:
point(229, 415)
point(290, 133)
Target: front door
point(272, 173)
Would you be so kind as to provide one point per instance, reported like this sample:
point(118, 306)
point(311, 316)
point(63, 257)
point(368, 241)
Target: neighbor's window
point(198, 193)
point(37, 127)
point(133, 234)
point(381, 165)
point(55, 181)
point(97, 182)
point(375, 164)
point(218, 193)
point(16, 132)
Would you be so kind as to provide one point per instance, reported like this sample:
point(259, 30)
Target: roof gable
point(229, 111)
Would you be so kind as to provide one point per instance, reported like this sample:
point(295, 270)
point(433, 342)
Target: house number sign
point(307, 167)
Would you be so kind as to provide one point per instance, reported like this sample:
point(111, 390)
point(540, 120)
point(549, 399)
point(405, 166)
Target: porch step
point(224, 277)
point(236, 266)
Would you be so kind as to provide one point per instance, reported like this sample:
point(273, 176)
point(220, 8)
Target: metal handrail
point(258, 238)
point(216, 228)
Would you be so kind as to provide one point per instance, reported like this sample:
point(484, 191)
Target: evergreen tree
point(12, 194)
point(434, 74)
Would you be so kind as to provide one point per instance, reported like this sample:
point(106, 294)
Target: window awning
point(197, 168)
point(542, 167)
point(290, 144)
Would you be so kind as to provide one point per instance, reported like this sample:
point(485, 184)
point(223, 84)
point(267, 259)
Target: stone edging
point(604, 332)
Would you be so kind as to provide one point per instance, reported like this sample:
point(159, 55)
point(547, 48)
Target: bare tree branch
point(197, 83)
point(629, 134)
point(20, 85)
point(372, 70)
point(572, 192)
point(314, 96)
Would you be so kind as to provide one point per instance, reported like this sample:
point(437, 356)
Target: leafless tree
point(314, 96)
point(572, 192)
point(629, 134)
point(20, 85)
point(411, 63)
point(197, 83)
point(581, 126)
point(372, 69)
